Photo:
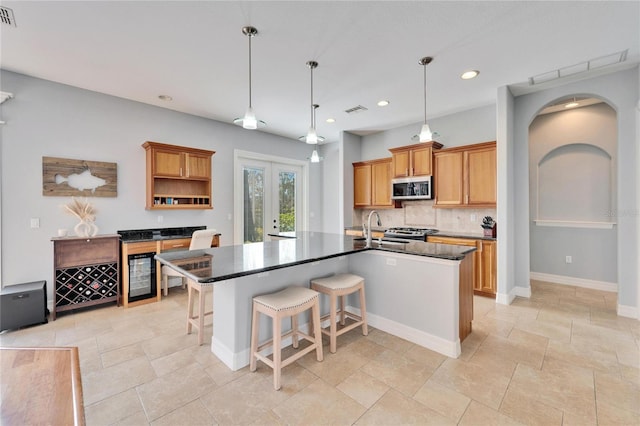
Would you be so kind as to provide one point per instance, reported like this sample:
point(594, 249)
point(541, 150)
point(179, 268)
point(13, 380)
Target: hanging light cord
point(250, 37)
point(425, 93)
point(313, 124)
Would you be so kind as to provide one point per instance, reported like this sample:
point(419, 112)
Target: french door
point(271, 199)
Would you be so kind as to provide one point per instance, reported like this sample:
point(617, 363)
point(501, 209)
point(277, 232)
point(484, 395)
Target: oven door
point(142, 276)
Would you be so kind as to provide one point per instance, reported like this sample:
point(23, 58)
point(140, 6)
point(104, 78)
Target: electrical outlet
point(35, 222)
point(391, 261)
point(568, 259)
point(474, 217)
point(160, 219)
point(229, 217)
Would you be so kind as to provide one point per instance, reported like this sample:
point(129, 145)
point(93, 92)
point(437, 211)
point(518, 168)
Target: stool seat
point(340, 286)
point(285, 303)
point(289, 298)
point(339, 281)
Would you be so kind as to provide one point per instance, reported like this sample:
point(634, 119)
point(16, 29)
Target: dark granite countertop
point(478, 236)
point(158, 234)
point(227, 262)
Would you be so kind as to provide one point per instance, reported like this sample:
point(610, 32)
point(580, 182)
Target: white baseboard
point(577, 282)
point(628, 311)
point(429, 341)
point(237, 360)
point(507, 299)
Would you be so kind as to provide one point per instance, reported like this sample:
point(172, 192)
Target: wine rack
point(86, 272)
point(86, 284)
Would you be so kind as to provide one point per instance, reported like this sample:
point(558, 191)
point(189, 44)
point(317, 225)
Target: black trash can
point(23, 304)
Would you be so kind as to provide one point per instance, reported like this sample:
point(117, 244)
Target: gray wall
point(50, 119)
point(352, 152)
point(505, 125)
point(463, 128)
point(572, 158)
point(620, 90)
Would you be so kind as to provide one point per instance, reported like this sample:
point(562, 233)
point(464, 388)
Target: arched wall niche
point(574, 184)
point(573, 165)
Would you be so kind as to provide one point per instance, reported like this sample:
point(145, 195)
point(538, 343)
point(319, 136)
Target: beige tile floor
point(562, 357)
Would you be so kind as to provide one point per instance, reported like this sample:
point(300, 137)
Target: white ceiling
point(366, 50)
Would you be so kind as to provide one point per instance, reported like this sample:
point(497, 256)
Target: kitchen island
point(419, 291)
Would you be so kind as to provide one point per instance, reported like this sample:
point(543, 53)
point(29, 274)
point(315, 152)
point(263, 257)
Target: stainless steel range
point(410, 233)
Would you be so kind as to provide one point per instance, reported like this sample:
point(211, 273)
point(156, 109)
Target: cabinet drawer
point(86, 251)
point(177, 244)
point(139, 248)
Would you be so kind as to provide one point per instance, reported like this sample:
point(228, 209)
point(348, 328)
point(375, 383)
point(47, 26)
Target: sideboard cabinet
point(86, 271)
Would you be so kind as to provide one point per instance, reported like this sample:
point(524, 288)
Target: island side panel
point(466, 296)
point(233, 301)
point(412, 297)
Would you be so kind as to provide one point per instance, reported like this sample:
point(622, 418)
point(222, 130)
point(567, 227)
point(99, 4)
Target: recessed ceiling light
point(165, 98)
point(383, 103)
point(467, 75)
point(331, 120)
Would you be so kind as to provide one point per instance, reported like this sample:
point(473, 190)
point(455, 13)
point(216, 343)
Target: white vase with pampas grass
point(83, 210)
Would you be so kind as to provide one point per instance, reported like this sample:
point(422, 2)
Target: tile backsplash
point(421, 214)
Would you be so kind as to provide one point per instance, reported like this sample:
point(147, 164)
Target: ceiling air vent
point(355, 109)
point(6, 16)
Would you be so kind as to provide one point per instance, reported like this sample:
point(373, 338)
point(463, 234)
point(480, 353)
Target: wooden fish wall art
point(63, 177)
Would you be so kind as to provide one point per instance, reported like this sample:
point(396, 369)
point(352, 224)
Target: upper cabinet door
point(361, 185)
point(167, 163)
point(198, 166)
point(381, 183)
point(481, 174)
point(421, 161)
point(448, 178)
point(401, 163)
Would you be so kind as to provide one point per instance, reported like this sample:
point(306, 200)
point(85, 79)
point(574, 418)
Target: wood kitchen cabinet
point(413, 160)
point(466, 176)
point(372, 184)
point(177, 177)
point(484, 262)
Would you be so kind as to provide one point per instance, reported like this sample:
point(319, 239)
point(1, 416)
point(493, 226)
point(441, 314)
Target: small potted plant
point(489, 226)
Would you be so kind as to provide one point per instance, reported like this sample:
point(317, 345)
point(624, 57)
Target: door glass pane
point(253, 204)
point(287, 201)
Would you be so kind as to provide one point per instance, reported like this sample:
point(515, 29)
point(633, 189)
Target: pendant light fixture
point(312, 135)
point(426, 134)
point(315, 158)
point(249, 121)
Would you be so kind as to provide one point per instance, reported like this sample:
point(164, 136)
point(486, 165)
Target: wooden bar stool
point(341, 285)
point(289, 302)
point(197, 320)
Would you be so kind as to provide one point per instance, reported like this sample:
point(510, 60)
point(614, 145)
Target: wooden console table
point(41, 386)
point(85, 271)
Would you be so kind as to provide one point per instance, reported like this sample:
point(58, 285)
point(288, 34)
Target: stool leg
point(165, 284)
point(255, 328)
point(189, 307)
point(333, 327)
point(277, 351)
point(200, 316)
point(363, 312)
point(342, 315)
point(294, 328)
point(317, 332)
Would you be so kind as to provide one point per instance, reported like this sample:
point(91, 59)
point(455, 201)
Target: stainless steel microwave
point(412, 188)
